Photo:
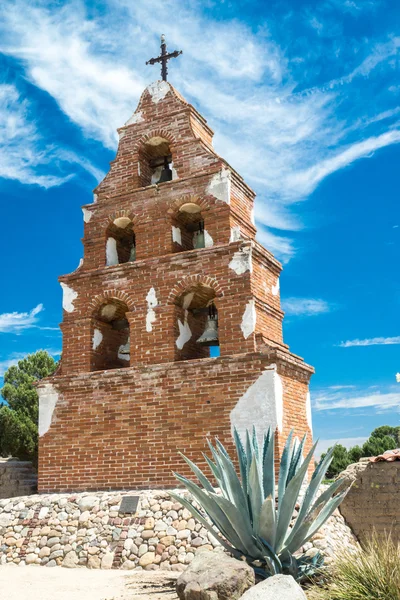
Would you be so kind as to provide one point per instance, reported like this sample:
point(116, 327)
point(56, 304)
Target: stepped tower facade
point(169, 253)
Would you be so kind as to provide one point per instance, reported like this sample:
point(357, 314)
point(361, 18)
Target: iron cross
point(164, 58)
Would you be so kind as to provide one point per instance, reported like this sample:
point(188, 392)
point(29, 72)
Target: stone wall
point(17, 478)
point(373, 501)
point(88, 530)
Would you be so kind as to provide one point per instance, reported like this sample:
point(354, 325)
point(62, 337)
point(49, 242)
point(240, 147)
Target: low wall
point(88, 530)
point(374, 498)
point(17, 478)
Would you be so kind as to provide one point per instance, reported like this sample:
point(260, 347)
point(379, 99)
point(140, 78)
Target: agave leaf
point(221, 477)
point(239, 498)
point(199, 474)
point(213, 468)
point(267, 440)
point(255, 493)
point(296, 458)
point(301, 519)
point(269, 468)
point(242, 458)
point(267, 524)
point(197, 515)
point(255, 443)
point(240, 524)
point(213, 510)
point(289, 501)
point(283, 470)
point(325, 513)
point(330, 491)
point(315, 482)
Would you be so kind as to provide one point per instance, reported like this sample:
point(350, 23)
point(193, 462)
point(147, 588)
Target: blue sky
point(304, 100)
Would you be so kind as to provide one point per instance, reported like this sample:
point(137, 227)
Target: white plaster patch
point(220, 186)
point(275, 288)
point(208, 241)
point(69, 295)
point(111, 252)
point(97, 339)
point(48, 397)
point(252, 217)
point(121, 134)
point(94, 198)
point(137, 117)
point(152, 302)
point(260, 406)
point(248, 324)
point(79, 265)
point(187, 300)
point(158, 90)
point(174, 173)
point(176, 235)
point(138, 169)
point(236, 234)
point(309, 411)
point(184, 333)
point(87, 215)
point(241, 261)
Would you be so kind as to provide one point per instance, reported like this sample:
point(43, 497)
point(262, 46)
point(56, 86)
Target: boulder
point(214, 576)
point(70, 560)
point(278, 587)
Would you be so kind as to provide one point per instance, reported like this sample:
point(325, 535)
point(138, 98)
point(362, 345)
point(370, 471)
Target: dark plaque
point(129, 505)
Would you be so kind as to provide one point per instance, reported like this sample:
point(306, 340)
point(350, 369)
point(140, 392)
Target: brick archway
point(97, 301)
point(190, 281)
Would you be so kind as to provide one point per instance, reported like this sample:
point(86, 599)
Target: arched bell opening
point(196, 324)
point(188, 231)
point(155, 162)
point(110, 336)
point(120, 242)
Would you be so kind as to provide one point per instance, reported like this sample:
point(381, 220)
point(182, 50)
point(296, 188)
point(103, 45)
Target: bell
point(198, 237)
point(210, 335)
point(132, 255)
point(166, 173)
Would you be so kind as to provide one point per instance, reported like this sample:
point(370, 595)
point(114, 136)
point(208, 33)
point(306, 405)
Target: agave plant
point(250, 515)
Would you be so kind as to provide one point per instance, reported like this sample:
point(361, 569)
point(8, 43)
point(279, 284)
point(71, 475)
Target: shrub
point(370, 573)
point(253, 520)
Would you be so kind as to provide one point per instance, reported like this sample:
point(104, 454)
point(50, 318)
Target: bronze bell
point(210, 335)
point(166, 173)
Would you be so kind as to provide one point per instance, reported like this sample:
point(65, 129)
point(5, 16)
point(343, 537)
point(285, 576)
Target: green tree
point(339, 462)
point(385, 430)
point(19, 412)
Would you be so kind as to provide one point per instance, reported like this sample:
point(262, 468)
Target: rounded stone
point(147, 559)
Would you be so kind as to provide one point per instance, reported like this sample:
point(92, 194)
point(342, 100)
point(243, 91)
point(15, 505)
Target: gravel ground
point(40, 583)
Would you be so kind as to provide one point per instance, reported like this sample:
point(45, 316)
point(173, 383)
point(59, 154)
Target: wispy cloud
point(371, 397)
point(24, 154)
point(284, 133)
point(378, 341)
point(305, 307)
point(17, 321)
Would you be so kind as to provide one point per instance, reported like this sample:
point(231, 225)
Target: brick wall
point(373, 501)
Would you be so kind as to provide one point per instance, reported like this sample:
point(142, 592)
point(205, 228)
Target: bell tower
point(172, 325)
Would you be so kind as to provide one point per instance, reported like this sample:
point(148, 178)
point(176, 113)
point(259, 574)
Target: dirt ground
point(41, 583)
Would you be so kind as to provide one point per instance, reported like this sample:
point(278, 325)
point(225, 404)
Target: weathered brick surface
point(372, 503)
point(120, 422)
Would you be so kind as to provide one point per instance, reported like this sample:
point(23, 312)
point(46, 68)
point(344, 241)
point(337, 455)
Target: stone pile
point(87, 530)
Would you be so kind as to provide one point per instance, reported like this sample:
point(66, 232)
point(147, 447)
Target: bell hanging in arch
point(166, 173)
point(210, 335)
point(199, 237)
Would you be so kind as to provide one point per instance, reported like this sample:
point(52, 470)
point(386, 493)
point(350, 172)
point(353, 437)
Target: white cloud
point(380, 401)
point(305, 307)
point(24, 155)
point(378, 341)
point(283, 137)
point(17, 321)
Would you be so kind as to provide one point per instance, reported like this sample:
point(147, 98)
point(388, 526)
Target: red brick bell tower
point(169, 239)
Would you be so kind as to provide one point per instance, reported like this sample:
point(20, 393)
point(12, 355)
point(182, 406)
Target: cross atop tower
point(164, 58)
